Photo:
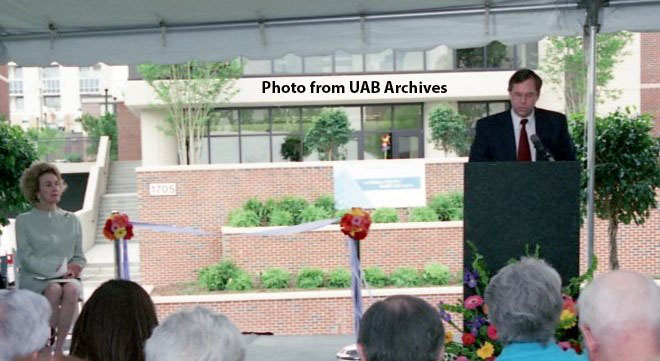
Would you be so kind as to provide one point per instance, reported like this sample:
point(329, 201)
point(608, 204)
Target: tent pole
point(591, 28)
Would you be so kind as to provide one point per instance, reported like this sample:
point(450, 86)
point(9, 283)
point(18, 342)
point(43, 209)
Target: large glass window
point(52, 101)
point(250, 135)
point(318, 64)
point(15, 80)
point(90, 79)
point(380, 62)
point(495, 55)
point(289, 64)
point(50, 80)
point(440, 58)
point(409, 60)
point(346, 62)
point(252, 67)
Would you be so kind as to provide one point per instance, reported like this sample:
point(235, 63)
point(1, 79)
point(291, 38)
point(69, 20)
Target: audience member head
point(620, 317)
point(524, 301)
point(24, 327)
point(197, 334)
point(114, 323)
point(401, 328)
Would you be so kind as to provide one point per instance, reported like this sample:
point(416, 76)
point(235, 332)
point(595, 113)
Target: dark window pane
point(352, 148)
point(528, 55)
point(289, 64)
point(254, 121)
point(372, 146)
point(309, 115)
point(223, 150)
point(346, 62)
point(408, 147)
point(409, 60)
point(497, 107)
point(499, 55)
point(473, 110)
point(470, 58)
point(318, 64)
point(354, 116)
point(255, 149)
point(408, 116)
point(286, 120)
point(380, 62)
point(224, 122)
point(377, 117)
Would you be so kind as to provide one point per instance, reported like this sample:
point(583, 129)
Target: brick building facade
point(650, 77)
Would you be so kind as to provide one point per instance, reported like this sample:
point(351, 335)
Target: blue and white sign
point(380, 184)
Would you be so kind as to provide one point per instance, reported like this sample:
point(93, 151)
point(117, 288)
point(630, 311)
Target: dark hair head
point(114, 323)
point(523, 75)
point(401, 328)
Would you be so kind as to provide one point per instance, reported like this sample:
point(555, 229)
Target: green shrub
point(340, 212)
point(456, 278)
point(314, 213)
point(268, 207)
point(310, 278)
point(339, 278)
point(241, 281)
point(436, 274)
point(293, 205)
point(376, 277)
point(448, 206)
point(406, 277)
point(243, 218)
point(215, 277)
point(280, 217)
point(256, 206)
point(423, 214)
point(74, 158)
point(275, 278)
point(326, 202)
point(385, 215)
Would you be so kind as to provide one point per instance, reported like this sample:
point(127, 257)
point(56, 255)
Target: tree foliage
point(46, 140)
point(565, 64)
point(329, 133)
point(189, 92)
point(99, 126)
point(450, 131)
point(17, 152)
point(627, 171)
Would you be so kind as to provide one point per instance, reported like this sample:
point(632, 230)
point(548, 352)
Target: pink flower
point(462, 358)
point(569, 304)
point(473, 302)
point(492, 332)
point(565, 345)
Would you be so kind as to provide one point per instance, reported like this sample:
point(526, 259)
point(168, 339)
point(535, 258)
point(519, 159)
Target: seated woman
point(114, 323)
point(524, 302)
point(49, 245)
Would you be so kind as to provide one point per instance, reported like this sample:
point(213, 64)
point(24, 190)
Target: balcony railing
point(16, 87)
point(89, 85)
point(74, 149)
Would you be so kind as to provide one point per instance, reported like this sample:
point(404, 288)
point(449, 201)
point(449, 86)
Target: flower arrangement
point(117, 226)
point(479, 340)
point(355, 223)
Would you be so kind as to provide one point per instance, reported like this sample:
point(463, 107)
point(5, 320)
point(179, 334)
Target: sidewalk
point(293, 348)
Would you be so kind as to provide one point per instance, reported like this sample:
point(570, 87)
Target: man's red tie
point(524, 154)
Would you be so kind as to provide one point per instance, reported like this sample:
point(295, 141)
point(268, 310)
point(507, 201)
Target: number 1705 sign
point(162, 189)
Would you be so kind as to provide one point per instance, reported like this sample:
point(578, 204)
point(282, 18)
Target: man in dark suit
point(506, 136)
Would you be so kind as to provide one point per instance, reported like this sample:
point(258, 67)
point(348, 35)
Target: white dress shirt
point(530, 128)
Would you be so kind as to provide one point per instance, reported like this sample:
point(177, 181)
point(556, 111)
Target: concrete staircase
point(121, 195)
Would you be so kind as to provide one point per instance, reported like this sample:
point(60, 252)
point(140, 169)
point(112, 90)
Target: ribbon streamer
point(125, 275)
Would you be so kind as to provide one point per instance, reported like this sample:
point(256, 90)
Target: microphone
point(540, 148)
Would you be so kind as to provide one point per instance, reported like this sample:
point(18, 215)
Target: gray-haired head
point(23, 323)
point(620, 302)
point(524, 301)
point(197, 334)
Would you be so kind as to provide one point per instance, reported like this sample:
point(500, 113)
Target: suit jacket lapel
point(508, 137)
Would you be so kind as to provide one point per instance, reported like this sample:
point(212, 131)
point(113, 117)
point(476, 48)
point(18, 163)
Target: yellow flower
point(449, 337)
point(486, 350)
point(120, 233)
point(567, 319)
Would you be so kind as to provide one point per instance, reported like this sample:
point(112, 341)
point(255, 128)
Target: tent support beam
point(591, 30)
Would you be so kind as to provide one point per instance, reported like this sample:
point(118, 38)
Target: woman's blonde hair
point(30, 180)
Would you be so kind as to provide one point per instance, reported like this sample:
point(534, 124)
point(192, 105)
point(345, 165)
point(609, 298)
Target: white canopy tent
point(75, 32)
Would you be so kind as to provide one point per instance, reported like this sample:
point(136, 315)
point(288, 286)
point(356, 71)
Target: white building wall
point(461, 86)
